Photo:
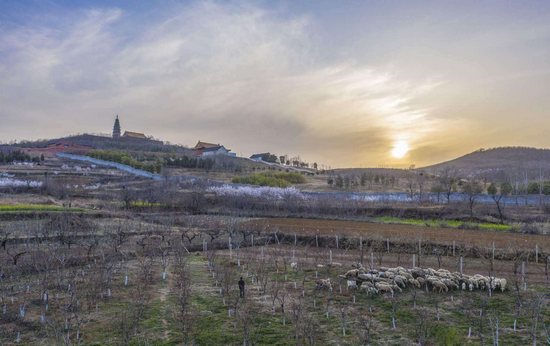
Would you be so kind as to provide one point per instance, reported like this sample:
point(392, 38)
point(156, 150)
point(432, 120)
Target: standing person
point(241, 287)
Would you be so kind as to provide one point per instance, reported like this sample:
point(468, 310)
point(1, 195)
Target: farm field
point(125, 297)
point(481, 238)
point(134, 261)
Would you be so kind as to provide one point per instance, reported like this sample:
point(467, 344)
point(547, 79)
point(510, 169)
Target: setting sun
point(400, 149)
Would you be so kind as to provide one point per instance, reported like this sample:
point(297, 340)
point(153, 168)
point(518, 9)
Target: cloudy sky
point(356, 83)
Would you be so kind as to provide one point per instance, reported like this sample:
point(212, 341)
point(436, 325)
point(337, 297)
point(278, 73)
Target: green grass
point(446, 224)
point(38, 208)
point(271, 179)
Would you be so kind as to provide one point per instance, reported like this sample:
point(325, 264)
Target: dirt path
point(164, 292)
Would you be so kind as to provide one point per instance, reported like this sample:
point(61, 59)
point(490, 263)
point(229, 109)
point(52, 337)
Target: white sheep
point(324, 284)
point(440, 286)
point(383, 287)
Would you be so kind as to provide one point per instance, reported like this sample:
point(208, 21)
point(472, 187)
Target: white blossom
point(256, 191)
point(7, 182)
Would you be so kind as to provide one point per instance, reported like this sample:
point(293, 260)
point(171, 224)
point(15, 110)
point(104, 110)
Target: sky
point(345, 84)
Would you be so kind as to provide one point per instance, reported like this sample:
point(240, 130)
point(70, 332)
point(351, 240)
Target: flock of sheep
point(374, 281)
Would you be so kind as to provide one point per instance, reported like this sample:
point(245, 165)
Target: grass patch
point(38, 208)
point(446, 224)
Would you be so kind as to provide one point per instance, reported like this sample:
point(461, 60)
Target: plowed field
point(406, 232)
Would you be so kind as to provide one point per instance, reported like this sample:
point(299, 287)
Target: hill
point(106, 142)
point(496, 159)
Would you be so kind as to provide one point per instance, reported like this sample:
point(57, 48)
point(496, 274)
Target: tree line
point(125, 159)
point(19, 156)
point(365, 179)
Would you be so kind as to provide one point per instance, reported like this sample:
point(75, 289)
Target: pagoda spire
point(116, 128)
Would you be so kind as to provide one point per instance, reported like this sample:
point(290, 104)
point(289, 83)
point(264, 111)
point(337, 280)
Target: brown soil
point(479, 238)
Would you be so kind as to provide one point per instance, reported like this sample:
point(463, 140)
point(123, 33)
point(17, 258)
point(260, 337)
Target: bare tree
point(297, 312)
point(448, 178)
point(410, 183)
point(422, 327)
point(472, 190)
point(184, 313)
point(251, 323)
point(497, 194)
point(366, 322)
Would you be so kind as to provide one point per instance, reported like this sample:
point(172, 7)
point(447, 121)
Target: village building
point(213, 151)
point(258, 157)
point(265, 157)
point(204, 149)
point(63, 146)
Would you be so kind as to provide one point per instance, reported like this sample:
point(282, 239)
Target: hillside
point(493, 160)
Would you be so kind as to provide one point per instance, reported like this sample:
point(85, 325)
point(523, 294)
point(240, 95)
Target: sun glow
point(400, 149)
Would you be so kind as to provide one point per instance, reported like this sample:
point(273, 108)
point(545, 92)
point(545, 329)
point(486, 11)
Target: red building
point(62, 146)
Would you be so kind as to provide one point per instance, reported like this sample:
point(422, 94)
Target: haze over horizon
point(344, 84)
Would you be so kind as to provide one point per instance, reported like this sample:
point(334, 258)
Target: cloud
point(234, 73)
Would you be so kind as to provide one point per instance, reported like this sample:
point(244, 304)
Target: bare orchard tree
point(438, 189)
point(251, 322)
point(537, 306)
point(441, 252)
point(165, 255)
point(309, 328)
point(472, 190)
point(497, 194)
point(495, 328)
point(394, 301)
point(410, 183)
point(421, 183)
point(423, 325)
point(275, 287)
point(448, 178)
point(227, 277)
point(282, 297)
point(516, 284)
point(541, 175)
point(184, 313)
point(480, 314)
point(297, 313)
point(366, 323)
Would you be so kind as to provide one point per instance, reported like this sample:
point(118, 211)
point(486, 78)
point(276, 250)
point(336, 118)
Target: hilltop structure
point(127, 134)
point(116, 128)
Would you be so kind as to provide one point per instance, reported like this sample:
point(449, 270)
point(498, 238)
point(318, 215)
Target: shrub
point(530, 228)
point(446, 335)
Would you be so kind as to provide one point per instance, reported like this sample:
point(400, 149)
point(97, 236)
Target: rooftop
point(203, 145)
point(134, 135)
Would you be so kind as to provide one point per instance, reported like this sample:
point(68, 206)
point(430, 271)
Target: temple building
point(127, 134)
point(116, 128)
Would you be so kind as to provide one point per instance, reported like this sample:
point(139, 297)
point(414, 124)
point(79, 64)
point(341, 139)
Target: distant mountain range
point(496, 159)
